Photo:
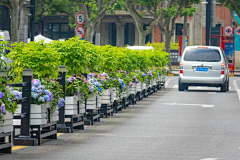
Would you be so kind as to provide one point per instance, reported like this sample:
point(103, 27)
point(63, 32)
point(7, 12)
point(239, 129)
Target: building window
point(55, 27)
point(64, 28)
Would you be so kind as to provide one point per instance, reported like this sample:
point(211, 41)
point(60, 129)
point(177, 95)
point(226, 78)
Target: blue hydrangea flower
point(123, 86)
point(47, 92)
point(3, 109)
point(34, 89)
point(99, 89)
point(147, 80)
point(35, 96)
point(40, 89)
point(41, 99)
point(2, 95)
point(61, 102)
point(50, 96)
point(149, 73)
point(36, 82)
point(71, 79)
point(46, 98)
point(144, 74)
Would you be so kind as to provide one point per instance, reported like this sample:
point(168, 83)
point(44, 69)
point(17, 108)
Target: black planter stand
point(5, 147)
point(117, 106)
point(106, 109)
point(92, 115)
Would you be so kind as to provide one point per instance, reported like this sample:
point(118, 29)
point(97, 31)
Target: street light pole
point(208, 21)
point(97, 37)
point(32, 19)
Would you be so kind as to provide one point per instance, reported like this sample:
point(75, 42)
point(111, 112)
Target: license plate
point(201, 69)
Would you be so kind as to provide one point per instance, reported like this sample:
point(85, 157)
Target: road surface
point(199, 124)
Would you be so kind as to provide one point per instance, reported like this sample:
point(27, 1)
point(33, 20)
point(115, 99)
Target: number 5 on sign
point(79, 18)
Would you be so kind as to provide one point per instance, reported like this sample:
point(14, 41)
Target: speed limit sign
point(80, 31)
point(79, 18)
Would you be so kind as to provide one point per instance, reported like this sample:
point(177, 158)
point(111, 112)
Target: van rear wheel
point(224, 87)
point(181, 87)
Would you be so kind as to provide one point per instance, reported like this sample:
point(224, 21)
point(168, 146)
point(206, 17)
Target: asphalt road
point(198, 124)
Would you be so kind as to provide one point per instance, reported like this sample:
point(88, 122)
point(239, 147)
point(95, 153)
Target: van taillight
point(181, 71)
point(223, 72)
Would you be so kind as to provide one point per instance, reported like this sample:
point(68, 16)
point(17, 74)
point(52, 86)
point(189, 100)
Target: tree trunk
point(89, 33)
point(184, 33)
point(142, 38)
point(168, 46)
point(14, 23)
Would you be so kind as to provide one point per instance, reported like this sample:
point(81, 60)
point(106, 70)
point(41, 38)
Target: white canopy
point(140, 47)
point(41, 37)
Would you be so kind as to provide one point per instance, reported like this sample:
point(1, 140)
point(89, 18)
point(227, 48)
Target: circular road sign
point(80, 31)
point(228, 30)
point(238, 31)
point(79, 18)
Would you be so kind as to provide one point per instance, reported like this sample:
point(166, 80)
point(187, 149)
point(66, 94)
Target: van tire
point(224, 87)
point(181, 87)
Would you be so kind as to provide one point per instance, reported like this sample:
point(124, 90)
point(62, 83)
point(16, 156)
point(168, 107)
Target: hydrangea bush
point(6, 100)
point(40, 95)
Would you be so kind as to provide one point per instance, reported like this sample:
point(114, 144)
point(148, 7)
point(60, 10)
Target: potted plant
point(7, 107)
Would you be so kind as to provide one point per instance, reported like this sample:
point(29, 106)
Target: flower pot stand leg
point(92, 115)
point(76, 121)
point(5, 147)
point(119, 106)
point(106, 109)
point(45, 131)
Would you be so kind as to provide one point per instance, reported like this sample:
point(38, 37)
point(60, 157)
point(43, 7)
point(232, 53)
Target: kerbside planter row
point(6, 123)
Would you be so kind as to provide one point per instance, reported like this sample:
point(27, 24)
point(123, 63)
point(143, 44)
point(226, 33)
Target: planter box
point(139, 86)
point(144, 85)
point(38, 114)
point(133, 88)
point(47, 105)
point(99, 99)
point(54, 117)
point(6, 126)
point(71, 105)
point(91, 102)
point(107, 96)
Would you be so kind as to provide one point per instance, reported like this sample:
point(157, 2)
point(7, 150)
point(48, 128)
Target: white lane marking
point(211, 92)
point(183, 104)
point(210, 159)
point(236, 87)
point(168, 81)
point(175, 86)
point(208, 106)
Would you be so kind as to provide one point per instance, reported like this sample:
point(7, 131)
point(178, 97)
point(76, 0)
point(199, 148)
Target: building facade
point(119, 29)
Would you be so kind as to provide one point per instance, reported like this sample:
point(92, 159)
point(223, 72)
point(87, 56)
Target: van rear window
point(201, 54)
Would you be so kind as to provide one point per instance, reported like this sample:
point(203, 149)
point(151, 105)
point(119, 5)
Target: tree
point(232, 5)
point(170, 11)
point(15, 7)
point(92, 14)
point(138, 17)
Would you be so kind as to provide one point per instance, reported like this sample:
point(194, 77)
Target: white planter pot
point(38, 114)
point(91, 102)
point(124, 94)
point(47, 105)
point(144, 85)
point(54, 117)
point(99, 99)
point(133, 89)
point(71, 105)
point(106, 97)
point(139, 87)
point(6, 126)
